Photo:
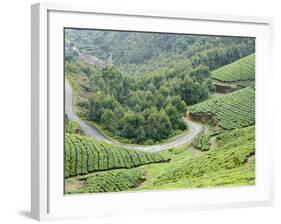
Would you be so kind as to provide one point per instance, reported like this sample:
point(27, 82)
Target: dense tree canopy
point(143, 109)
point(137, 48)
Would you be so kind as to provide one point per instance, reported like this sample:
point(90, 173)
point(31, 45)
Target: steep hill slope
point(85, 155)
point(233, 110)
point(240, 70)
point(225, 165)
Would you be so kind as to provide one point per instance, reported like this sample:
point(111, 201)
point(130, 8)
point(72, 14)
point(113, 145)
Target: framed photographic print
point(148, 111)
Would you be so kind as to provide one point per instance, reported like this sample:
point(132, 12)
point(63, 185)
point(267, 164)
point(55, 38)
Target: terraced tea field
point(84, 155)
point(234, 149)
point(230, 111)
point(241, 176)
point(110, 181)
point(231, 163)
point(240, 70)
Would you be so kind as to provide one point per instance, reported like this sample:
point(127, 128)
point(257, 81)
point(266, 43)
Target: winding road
point(194, 129)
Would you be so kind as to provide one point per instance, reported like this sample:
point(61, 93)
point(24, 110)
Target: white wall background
point(15, 110)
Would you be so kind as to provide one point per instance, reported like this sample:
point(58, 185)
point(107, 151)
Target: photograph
point(151, 111)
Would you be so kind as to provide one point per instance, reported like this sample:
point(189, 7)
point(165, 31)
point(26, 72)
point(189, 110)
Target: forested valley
point(152, 111)
point(145, 106)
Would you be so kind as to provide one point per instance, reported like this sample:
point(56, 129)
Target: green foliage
point(136, 108)
point(234, 149)
point(176, 72)
point(142, 95)
point(219, 56)
point(202, 142)
point(201, 73)
point(139, 47)
point(85, 155)
point(73, 127)
point(241, 176)
point(111, 181)
point(241, 70)
point(175, 117)
point(234, 110)
point(232, 163)
point(190, 91)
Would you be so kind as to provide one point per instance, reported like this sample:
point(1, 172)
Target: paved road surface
point(194, 129)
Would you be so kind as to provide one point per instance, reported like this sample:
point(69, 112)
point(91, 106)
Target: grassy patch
point(241, 176)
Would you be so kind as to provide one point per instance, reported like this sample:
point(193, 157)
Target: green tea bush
point(234, 149)
point(240, 70)
point(111, 181)
point(85, 155)
point(202, 142)
point(234, 110)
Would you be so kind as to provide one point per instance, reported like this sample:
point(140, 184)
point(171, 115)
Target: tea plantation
point(202, 142)
point(111, 181)
point(241, 176)
point(240, 70)
point(193, 96)
point(234, 149)
point(234, 110)
point(85, 155)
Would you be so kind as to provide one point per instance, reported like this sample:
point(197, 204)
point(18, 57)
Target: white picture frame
point(47, 198)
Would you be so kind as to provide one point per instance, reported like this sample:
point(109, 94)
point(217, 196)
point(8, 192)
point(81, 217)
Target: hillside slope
point(85, 155)
point(233, 110)
point(232, 163)
point(240, 70)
